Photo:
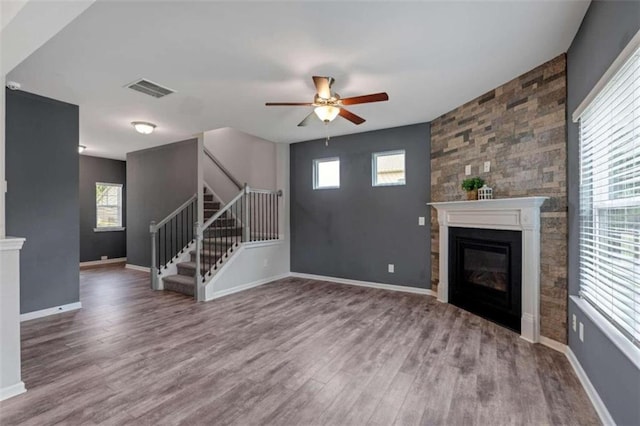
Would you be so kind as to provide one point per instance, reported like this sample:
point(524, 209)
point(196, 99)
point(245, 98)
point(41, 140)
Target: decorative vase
point(472, 195)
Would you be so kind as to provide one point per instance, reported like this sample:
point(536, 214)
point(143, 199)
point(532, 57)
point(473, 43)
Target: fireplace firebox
point(485, 273)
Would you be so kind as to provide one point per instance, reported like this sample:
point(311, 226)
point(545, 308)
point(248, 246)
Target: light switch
point(391, 268)
point(421, 221)
point(467, 169)
point(487, 166)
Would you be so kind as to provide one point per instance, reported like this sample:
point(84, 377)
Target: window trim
point(314, 177)
point(613, 333)
point(374, 167)
point(627, 341)
point(120, 202)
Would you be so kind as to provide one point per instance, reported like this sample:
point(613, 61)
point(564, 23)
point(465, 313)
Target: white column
point(530, 320)
point(3, 182)
point(10, 379)
point(443, 282)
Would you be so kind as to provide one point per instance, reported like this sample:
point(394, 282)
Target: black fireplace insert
point(485, 273)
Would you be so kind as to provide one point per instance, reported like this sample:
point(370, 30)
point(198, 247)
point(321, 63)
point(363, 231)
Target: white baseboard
point(247, 286)
point(591, 391)
point(380, 286)
point(50, 311)
point(554, 344)
point(137, 268)
point(11, 391)
point(103, 262)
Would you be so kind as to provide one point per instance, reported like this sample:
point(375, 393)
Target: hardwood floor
point(293, 352)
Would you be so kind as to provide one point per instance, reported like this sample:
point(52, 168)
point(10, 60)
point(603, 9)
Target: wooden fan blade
point(355, 119)
point(288, 104)
point(307, 119)
point(323, 86)
point(376, 97)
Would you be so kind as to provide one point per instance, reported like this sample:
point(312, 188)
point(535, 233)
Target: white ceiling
point(225, 59)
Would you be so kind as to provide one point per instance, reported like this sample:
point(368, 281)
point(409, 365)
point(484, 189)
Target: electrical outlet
point(573, 323)
point(581, 332)
point(421, 221)
point(104, 257)
point(467, 169)
point(392, 268)
point(487, 166)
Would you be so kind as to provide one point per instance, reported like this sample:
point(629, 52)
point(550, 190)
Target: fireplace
point(512, 214)
point(485, 270)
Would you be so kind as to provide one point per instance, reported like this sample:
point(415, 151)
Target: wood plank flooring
point(292, 352)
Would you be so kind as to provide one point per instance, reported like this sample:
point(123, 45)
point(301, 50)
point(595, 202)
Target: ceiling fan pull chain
point(326, 127)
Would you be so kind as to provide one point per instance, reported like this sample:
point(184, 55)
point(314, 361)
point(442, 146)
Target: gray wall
point(159, 180)
point(93, 244)
point(357, 230)
point(605, 31)
point(42, 198)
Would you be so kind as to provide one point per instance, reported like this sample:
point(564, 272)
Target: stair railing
point(171, 236)
point(252, 215)
point(222, 168)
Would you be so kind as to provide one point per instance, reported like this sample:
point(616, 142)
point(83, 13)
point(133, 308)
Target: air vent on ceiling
point(150, 88)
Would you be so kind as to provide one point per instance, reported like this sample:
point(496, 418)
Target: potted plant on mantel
point(471, 185)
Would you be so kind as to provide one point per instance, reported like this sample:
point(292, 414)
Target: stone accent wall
point(521, 128)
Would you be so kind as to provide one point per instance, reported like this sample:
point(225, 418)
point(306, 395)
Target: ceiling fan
point(328, 105)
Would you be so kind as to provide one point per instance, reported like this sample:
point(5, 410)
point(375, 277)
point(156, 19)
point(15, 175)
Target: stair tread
point(187, 265)
point(207, 252)
point(222, 227)
point(231, 238)
point(179, 279)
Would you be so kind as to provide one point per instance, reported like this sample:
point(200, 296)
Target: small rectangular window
point(326, 173)
point(108, 206)
point(388, 168)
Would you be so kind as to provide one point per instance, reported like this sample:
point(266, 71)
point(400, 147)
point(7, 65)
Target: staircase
point(225, 230)
point(186, 255)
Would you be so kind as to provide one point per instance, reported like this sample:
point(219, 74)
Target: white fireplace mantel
point(516, 214)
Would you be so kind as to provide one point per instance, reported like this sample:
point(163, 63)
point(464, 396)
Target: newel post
point(246, 231)
point(154, 257)
point(198, 287)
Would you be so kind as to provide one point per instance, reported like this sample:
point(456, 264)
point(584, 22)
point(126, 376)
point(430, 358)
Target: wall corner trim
point(137, 268)
point(11, 391)
point(50, 311)
point(391, 287)
point(591, 391)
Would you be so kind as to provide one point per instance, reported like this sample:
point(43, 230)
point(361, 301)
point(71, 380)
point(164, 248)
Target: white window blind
point(108, 205)
point(610, 200)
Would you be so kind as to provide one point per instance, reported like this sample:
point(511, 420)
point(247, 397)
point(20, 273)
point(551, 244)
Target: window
point(610, 200)
point(388, 168)
point(326, 173)
point(108, 206)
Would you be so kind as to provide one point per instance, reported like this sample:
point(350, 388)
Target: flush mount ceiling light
point(81, 149)
point(327, 113)
point(143, 127)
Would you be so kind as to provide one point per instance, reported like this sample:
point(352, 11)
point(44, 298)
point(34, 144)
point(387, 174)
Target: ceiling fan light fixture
point(143, 127)
point(327, 113)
